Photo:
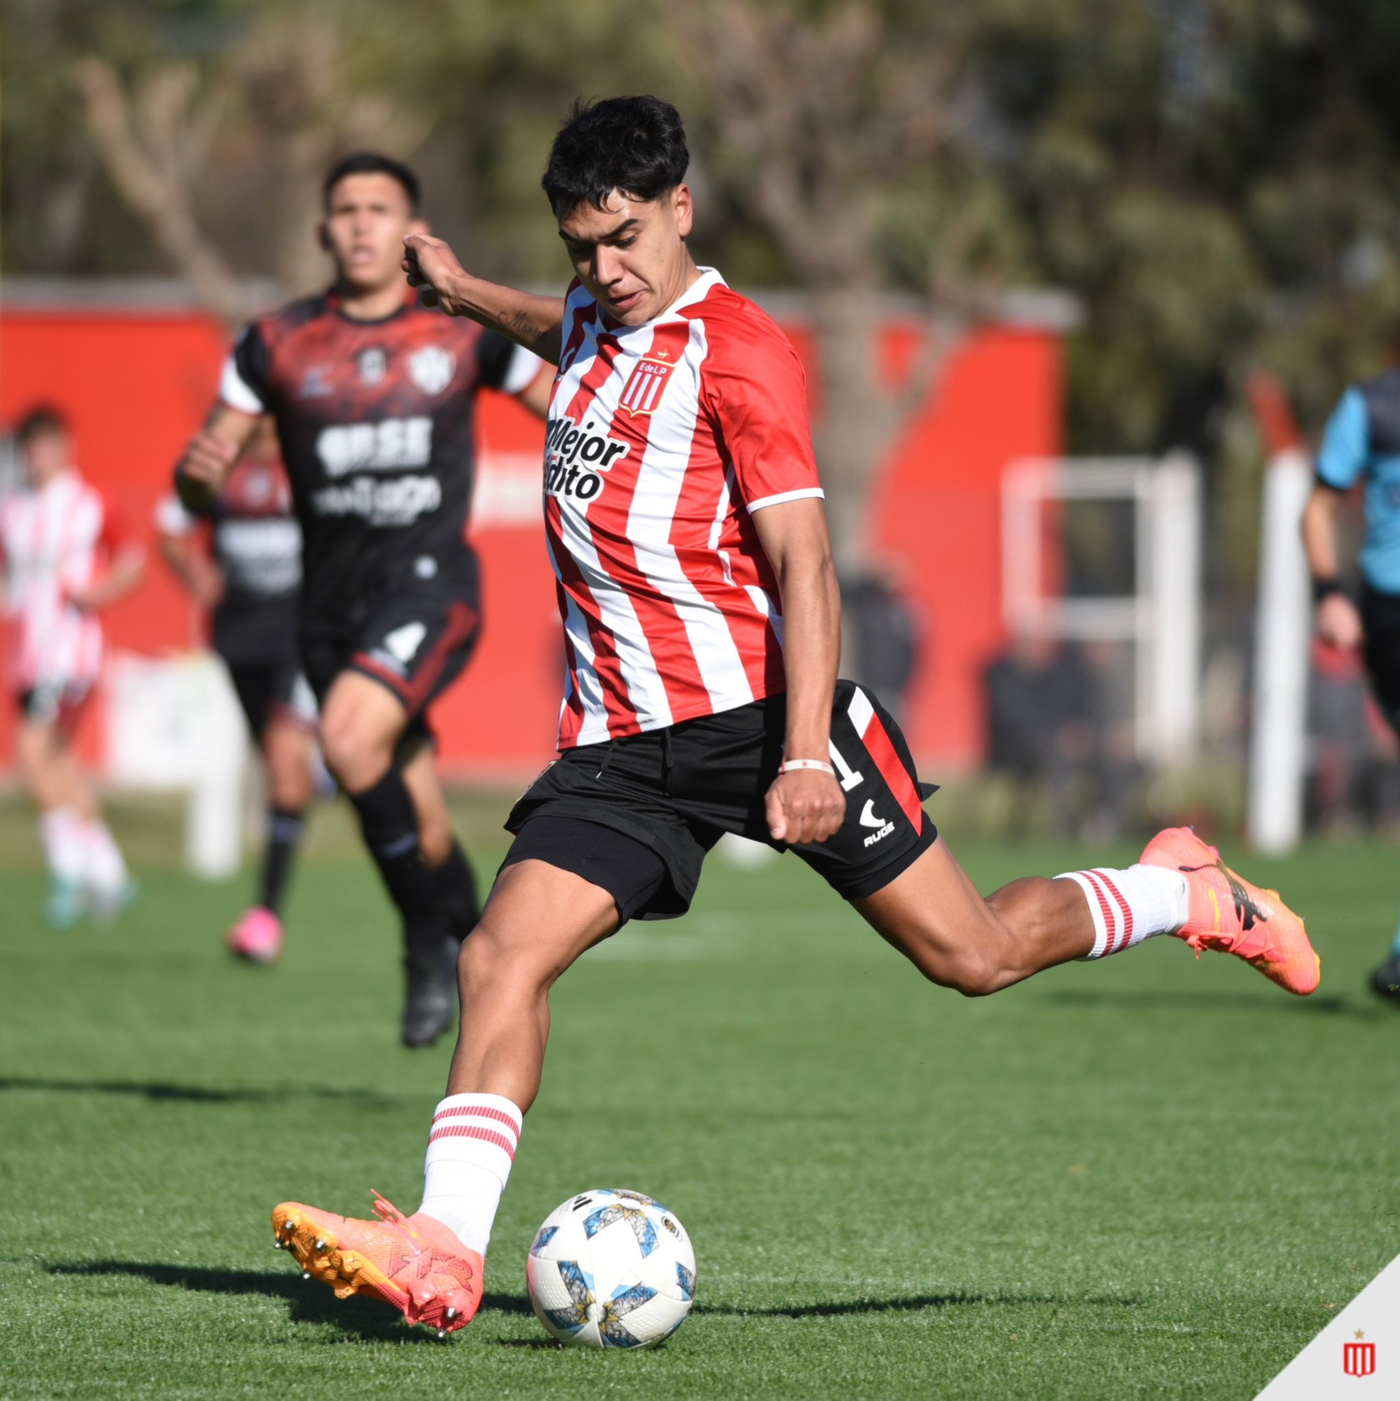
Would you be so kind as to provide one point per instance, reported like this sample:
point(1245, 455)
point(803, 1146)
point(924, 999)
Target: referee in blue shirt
point(1362, 444)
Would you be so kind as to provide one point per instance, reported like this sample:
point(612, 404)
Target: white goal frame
point(1162, 615)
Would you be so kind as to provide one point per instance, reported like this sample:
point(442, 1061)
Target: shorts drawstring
point(607, 759)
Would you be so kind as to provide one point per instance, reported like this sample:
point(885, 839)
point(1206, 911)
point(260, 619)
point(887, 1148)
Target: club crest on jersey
point(432, 368)
point(646, 384)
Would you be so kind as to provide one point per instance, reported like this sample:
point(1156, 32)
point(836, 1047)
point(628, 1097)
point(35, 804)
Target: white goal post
point(1162, 615)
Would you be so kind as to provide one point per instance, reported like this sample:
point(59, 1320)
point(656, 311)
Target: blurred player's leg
point(61, 823)
point(362, 723)
point(442, 851)
point(538, 920)
point(85, 862)
point(285, 740)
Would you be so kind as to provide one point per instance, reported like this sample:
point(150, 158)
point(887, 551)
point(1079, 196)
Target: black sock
point(390, 827)
point(284, 829)
point(457, 891)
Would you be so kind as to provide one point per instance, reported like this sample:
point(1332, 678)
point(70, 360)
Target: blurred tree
point(285, 110)
point(1212, 178)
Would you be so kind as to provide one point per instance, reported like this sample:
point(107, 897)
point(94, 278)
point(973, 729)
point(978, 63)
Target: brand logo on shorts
point(574, 457)
point(432, 368)
point(867, 815)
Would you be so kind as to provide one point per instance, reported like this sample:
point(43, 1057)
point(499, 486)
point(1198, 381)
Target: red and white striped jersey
point(663, 441)
point(53, 541)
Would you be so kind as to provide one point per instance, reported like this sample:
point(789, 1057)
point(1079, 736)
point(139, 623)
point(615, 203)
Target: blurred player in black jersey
point(242, 562)
point(374, 399)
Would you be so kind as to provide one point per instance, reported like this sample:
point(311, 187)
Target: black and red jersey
point(377, 421)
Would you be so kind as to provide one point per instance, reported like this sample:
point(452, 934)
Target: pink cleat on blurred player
point(257, 936)
point(1230, 915)
point(412, 1262)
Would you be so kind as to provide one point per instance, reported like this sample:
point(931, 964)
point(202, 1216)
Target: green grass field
point(1147, 1177)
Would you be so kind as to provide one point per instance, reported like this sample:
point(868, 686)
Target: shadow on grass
point(311, 1302)
point(911, 1303)
point(160, 1090)
point(1209, 1001)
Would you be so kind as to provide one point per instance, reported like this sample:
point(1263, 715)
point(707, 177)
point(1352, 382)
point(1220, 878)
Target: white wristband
point(818, 764)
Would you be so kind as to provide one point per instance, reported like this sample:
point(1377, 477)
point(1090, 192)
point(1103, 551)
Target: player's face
point(366, 219)
point(631, 253)
point(46, 454)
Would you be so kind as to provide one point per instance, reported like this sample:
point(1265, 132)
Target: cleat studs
point(306, 1274)
point(442, 1332)
point(278, 1245)
point(320, 1245)
point(288, 1226)
point(451, 1314)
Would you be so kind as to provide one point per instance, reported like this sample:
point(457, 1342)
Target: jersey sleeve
point(1346, 443)
point(757, 394)
point(172, 518)
point(244, 385)
point(505, 365)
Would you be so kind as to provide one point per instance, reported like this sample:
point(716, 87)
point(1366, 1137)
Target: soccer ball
point(611, 1268)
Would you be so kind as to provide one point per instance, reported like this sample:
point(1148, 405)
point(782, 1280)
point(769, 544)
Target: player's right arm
point(210, 455)
point(528, 319)
point(232, 422)
point(1340, 464)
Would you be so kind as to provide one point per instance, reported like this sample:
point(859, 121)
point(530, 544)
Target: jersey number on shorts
point(849, 777)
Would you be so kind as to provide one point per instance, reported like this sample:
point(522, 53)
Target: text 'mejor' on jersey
point(377, 422)
point(663, 441)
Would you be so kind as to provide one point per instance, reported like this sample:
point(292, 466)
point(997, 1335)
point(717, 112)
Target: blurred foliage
point(1214, 179)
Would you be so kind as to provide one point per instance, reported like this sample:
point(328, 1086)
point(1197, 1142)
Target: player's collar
point(336, 302)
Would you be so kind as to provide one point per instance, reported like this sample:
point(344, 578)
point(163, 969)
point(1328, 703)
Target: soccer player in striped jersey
point(686, 529)
point(63, 559)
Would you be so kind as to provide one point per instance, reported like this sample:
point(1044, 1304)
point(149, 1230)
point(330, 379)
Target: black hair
point(634, 145)
point(372, 163)
point(40, 418)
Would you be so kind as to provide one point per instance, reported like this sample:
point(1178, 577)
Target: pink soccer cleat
point(257, 936)
point(1232, 916)
point(412, 1262)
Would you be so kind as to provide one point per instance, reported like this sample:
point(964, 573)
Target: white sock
point(65, 845)
point(1131, 905)
point(105, 868)
point(470, 1150)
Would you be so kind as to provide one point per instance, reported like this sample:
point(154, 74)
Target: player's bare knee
point(357, 760)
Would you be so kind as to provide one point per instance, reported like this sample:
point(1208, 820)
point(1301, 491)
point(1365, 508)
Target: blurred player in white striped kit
point(64, 560)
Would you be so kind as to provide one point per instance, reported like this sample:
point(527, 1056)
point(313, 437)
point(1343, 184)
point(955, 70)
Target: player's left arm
point(805, 805)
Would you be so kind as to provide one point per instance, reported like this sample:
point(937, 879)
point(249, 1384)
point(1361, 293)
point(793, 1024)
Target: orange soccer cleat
point(412, 1262)
point(1232, 916)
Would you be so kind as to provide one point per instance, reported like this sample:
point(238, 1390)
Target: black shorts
point(275, 689)
point(415, 642)
point(636, 816)
point(1380, 617)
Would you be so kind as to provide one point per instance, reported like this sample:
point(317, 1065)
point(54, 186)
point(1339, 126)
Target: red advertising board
point(137, 382)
